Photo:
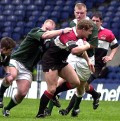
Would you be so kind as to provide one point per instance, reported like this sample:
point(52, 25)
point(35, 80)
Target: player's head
point(48, 25)
point(7, 45)
point(80, 11)
point(97, 19)
point(84, 28)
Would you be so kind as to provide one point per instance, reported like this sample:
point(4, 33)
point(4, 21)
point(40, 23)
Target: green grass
point(26, 111)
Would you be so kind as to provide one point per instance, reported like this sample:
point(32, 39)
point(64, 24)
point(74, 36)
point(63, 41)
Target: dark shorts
point(53, 66)
point(54, 59)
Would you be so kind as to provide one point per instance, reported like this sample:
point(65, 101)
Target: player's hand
point(91, 66)
point(66, 30)
point(106, 59)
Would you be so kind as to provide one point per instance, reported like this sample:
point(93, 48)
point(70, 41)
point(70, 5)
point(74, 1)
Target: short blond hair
point(51, 21)
point(80, 5)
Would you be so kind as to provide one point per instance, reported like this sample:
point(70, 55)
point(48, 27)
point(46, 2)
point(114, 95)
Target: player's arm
point(54, 33)
point(110, 56)
point(80, 49)
point(90, 64)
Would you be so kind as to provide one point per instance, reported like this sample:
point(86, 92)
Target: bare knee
point(52, 89)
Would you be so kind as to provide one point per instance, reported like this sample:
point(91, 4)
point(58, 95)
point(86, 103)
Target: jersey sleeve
point(93, 38)
point(113, 40)
point(36, 33)
point(72, 24)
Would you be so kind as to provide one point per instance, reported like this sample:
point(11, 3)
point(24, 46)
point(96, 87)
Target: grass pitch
point(26, 111)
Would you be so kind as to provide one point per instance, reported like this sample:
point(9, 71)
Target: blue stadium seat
point(102, 9)
point(9, 7)
point(65, 24)
point(27, 2)
point(7, 12)
point(36, 13)
point(33, 18)
point(68, 9)
point(70, 3)
point(60, 3)
point(41, 19)
point(20, 14)
point(46, 14)
point(118, 8)
point(8, 29)
point(116, 19)
point(64, 16)
point(20, 7)
point(57, 8)
point(55, 14)
point(5, 2)
point(114, 3)
point(109, 14)
point(40, 4)
point(11, 18)
point(48, 8)
point(117, 14)
point(8, 23)
point(115, 25)
point(1, 7)
point(31, 7)
point(89, 14)
point(2, 18)
point(89, 4)
point(16, 2)
point(106, 25)
point(16, 36)
point(111, 8)
point(6, 34)
point(50, 2)
point(20, 24)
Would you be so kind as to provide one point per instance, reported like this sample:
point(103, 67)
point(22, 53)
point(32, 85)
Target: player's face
point(80, 13)
point(84, 33)
point(48, 26)
point(97, 21)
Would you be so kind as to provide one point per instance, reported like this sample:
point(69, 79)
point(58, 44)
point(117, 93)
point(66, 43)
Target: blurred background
point(17, 17)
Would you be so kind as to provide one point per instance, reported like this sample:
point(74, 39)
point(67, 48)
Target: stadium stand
point(17, 17)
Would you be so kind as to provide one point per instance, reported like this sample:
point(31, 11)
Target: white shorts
point(81, 66)
point(23, 73)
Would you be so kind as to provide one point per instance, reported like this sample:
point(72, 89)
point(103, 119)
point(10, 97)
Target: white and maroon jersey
point(106, 40)
point(67, 41)
point(60, 49)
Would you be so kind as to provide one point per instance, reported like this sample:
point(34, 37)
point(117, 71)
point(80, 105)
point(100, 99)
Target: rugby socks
point(77, 102)
point(64, 87)
point(71, 103)
point(2, 91)
point(50, 106)
point(12, 103)
point(92, 91)
point(44, 101)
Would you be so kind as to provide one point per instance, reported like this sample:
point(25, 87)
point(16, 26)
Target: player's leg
point(90, 89)
point(79, 94)
point(51, 78)
point(55, 102)
point(7, 81)
point(22, 89)
point(69, 107)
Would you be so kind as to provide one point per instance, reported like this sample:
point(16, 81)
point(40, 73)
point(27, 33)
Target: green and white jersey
point(92, 39)
point(31, 49)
